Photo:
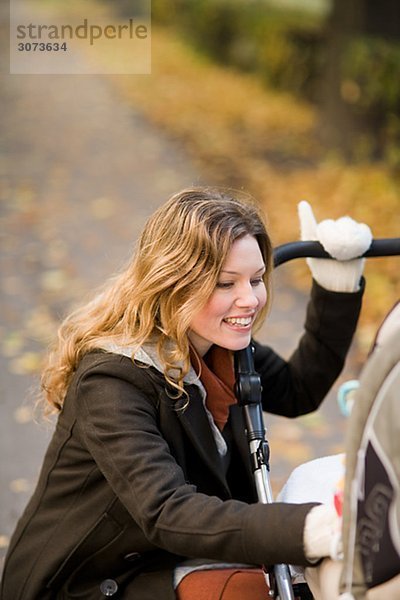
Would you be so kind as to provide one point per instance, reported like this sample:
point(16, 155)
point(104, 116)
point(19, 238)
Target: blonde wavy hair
point(172, 274)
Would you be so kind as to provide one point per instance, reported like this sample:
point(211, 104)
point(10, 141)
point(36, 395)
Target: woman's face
point(227, 318)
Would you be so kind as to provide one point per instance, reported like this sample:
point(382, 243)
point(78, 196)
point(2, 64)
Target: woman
point(148, 466)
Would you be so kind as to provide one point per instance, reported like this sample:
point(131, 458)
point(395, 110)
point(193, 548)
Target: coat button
point(132, 556)
point(109, 587)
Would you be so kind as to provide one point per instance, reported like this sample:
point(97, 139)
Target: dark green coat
point(131, 482)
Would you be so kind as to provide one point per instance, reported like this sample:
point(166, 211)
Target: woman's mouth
point(241, 322)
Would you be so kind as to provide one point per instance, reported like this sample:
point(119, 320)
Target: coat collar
point(194, 416)
point(148, 355)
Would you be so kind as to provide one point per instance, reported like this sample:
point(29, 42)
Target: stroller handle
point(292, 250)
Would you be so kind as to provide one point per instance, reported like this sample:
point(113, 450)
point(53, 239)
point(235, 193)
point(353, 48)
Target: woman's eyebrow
point(261, 269)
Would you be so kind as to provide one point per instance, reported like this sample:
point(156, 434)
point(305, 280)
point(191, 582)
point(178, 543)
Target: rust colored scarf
point(217, 376)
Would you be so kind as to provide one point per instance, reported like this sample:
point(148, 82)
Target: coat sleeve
point(298, 386)
point(118, 425)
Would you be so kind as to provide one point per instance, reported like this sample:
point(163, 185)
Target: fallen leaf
point(102, 208)
point(40, 324)
point(20, 486)
point(54, 280)
point(12, 343)
point(23, 414)
point(27, 363)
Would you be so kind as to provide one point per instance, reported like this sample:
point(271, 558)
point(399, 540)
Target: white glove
point(345, 240)
point(322, 533)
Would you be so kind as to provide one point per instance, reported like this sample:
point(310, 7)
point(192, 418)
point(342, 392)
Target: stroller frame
point(248, 393)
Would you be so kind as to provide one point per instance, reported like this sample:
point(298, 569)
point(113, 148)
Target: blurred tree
point(346, 61)
point(360, 94)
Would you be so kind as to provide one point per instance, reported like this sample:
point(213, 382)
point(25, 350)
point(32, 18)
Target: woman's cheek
point(263, 297)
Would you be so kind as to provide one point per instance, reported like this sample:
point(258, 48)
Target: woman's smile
point(239, 322)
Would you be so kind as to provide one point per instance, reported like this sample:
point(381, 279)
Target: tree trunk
point(341, 124)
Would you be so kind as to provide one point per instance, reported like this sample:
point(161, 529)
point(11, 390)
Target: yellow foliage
point(246, 136)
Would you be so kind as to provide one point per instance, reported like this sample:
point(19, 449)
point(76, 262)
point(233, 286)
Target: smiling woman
point(148, 478)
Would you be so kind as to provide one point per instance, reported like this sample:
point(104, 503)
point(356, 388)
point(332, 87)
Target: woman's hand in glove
point(345, 240)
point(322, 533)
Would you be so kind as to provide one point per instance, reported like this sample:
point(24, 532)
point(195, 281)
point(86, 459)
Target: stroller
point(248, 392)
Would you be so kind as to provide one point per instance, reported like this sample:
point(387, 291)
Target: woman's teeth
point(238, 321)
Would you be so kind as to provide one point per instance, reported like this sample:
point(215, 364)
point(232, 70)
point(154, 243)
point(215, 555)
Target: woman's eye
point(257, 281)
point(224, 285)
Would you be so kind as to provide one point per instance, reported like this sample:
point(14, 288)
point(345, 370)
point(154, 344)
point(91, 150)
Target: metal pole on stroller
point(248, 392)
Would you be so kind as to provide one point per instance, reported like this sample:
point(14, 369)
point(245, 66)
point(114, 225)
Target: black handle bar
point(292, 250)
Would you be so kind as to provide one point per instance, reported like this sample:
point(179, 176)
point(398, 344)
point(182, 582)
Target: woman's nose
point(247, 298)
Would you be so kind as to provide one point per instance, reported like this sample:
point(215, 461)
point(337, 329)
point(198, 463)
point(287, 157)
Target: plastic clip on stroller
point(248, 392)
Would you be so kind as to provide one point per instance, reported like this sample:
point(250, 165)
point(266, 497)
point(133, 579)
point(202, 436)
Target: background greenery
point(317, 54)
point(243, 86)
point(286, 100)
